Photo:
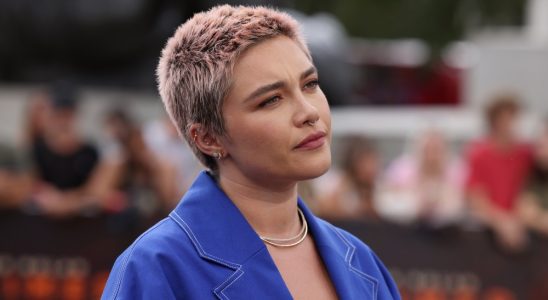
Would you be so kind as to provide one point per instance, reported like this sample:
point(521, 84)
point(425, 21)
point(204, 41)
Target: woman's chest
point(303, 271)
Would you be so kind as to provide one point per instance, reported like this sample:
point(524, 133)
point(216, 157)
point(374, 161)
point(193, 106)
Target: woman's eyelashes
point(311, 85)
point(270, 101)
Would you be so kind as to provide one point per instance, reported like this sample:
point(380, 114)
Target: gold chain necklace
point(289, 242)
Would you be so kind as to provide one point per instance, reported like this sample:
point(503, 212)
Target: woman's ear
point(208, 143)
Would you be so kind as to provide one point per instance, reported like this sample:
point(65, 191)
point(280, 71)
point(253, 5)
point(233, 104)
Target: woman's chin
point(313, 168)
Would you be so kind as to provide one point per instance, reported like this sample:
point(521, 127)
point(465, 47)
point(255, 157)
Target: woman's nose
point(305, 111)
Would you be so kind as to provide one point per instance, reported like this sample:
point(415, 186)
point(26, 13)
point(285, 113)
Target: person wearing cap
point(65, 164)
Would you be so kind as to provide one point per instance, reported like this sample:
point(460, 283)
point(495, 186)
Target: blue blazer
point(206, 249)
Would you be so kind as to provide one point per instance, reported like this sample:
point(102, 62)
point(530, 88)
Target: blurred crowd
point(499, 181)
point(57, 172)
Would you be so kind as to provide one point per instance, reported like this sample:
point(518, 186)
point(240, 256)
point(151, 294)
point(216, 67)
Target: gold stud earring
point(218, 154)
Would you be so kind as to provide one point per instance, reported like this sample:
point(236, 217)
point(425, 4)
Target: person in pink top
point(498, 166)
point(425, 183)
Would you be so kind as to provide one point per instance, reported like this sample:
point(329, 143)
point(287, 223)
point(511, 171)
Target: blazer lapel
point(337, 254)
point(259, 279)
point(222, 236)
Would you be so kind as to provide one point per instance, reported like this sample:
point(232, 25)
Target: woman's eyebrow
point(308, 72)
point(277, 85)
point(265, 89)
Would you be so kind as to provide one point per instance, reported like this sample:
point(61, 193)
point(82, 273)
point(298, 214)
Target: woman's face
point(273, 108)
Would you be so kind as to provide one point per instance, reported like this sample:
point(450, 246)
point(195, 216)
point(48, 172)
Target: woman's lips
point(312, 141)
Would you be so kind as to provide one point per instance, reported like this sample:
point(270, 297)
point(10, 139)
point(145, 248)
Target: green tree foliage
point(435, 21)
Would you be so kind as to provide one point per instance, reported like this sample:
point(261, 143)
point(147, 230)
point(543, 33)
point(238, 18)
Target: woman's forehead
point(277, 59)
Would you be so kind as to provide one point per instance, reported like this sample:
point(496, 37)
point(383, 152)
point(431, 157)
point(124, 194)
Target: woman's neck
point(271, 211)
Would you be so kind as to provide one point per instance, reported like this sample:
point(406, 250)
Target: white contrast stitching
point(372, 279)
point(121, 277)
point(176, 217)
point(237, 267)
point(238, 272)
point(118, 283)
point(348, 260)
point(228, 285)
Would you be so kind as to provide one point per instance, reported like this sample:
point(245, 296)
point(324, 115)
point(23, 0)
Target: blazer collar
point(214, 224)
point(337, 253)
point(222, 235)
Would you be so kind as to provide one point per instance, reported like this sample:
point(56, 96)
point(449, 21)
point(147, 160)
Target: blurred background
point(440, 139)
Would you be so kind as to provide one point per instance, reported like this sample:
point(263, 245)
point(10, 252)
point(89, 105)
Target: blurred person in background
point(533, 203)
point(144, 176)
point(498, 166)
point(428, 179)
point(348, 194)
point(176, 164)
point(69, 178)
point(15, 180)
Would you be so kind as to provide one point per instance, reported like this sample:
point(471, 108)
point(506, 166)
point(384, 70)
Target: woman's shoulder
point(163, 243)
point(144, 263)
point(156, 238)
point(156, 241)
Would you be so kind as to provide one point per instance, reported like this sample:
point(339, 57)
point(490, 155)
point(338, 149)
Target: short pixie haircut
point(195, 69)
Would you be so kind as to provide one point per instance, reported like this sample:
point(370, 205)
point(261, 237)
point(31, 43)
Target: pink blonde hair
point(195, 68)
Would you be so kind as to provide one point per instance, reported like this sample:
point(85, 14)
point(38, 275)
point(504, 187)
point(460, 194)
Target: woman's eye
point(312, 84)
point(270, 101)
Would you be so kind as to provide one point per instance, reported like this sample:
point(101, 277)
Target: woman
point(239, 84)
